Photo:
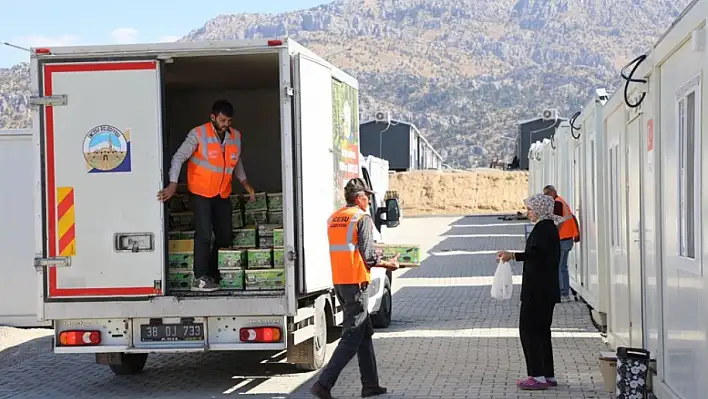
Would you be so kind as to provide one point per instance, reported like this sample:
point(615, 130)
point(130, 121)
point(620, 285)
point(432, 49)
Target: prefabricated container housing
point(400, 143)
point(650, 209)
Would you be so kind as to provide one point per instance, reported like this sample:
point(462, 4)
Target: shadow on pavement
point(448, 338)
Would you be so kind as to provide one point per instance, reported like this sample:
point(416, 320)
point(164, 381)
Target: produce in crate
point(265, 279)
point(180, 260)
point(181, 221)
point(180, 280)
point(278, 240)
point(260, 203)
point(278, 257)
point(275, 217)
point(275, 201)
point(259, 258)
point(265, 242)
point(232, 279)
point(252, 218)
point(409, 254)
point(231, 259)
point(237, 219)
point(245, 238)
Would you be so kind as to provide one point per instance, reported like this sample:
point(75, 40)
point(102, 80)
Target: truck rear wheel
point(382, 318)
point(315, 349)
point(129, 363)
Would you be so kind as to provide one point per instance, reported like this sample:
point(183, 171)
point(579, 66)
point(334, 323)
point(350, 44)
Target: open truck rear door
point(102, 168)
point(314, 154)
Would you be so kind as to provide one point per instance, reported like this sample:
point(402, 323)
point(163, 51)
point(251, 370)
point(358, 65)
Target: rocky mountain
point(464, 71)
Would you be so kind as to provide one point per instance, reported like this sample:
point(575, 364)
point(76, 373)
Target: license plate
point(172, 332)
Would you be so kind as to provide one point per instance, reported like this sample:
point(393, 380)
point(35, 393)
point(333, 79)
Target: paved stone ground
point(449, 339)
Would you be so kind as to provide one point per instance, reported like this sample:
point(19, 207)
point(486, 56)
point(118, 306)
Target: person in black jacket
point(539, 292)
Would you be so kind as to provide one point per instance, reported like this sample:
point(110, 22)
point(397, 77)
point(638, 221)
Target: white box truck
point(107, 120)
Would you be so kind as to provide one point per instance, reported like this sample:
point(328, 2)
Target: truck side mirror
point(393, 213)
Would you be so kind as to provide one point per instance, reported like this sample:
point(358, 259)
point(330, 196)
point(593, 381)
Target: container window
point(687, 120)
point(592, 179)
point(613, 203)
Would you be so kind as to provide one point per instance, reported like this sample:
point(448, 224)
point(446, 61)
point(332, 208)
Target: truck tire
point(382, 318)
point(130, 363)
point(316, 347)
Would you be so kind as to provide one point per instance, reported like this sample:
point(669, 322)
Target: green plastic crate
point(260, 258)
point(278, 238)
point(268, 279)
point(181, 221)
point(232, 279)
point(275, 201)
point(409, 254)
point(265, 242)
point(180, 280)
point(180, 260)
point(252, 218)
point(278, 257)
point(260, 203)
point(237, 219)
point(244, 238)
point(275, 217)
point(232, 259)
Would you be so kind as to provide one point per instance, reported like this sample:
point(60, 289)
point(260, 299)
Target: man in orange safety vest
point(352, 255)
point(213, 150)
point(569, 232)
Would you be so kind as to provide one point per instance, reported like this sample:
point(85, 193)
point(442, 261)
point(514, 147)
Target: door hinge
point(50, 101)
point(59, 261)
point(289, 91)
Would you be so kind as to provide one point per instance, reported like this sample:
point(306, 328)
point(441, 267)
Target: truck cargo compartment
point(250, 82)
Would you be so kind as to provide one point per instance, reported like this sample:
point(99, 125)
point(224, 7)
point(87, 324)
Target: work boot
point(320, 391)
point(372, 391)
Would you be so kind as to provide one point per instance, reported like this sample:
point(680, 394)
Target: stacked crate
point(255, 261)
point(262, 239)
point(180, 241)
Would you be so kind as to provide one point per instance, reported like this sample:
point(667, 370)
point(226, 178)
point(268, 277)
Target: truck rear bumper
point(221, 333)
point(168, 306)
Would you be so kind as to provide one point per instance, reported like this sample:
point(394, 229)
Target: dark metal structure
point(400, 143)
point(531, 131)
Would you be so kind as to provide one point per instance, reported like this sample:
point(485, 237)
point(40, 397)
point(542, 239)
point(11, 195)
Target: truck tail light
point(80, 338)
point(260, 334)
point(275, 42)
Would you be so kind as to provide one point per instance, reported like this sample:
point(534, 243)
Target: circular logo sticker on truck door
point(107, 149)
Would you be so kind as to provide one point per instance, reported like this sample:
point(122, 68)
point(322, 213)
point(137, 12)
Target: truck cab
point(375, 173)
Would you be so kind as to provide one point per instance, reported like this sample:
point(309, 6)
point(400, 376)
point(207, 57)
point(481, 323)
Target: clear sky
point(70, 22)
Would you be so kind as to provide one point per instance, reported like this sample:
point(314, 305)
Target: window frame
point(688, 235)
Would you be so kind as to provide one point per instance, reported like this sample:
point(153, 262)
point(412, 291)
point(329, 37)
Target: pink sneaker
point(531, 384)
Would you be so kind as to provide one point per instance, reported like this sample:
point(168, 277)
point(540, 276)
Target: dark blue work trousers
point(357, 331)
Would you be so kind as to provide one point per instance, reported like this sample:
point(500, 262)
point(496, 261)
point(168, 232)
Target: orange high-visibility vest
point(210, 169)
point(348, 266)
point(567, 228)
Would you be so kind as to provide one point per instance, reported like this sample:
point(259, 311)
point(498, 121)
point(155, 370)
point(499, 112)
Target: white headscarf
point(542, 206)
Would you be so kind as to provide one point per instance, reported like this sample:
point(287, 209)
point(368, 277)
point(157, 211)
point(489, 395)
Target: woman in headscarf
point(539, 292)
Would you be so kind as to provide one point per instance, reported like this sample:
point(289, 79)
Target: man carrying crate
point(352, 255)
point(214, 153)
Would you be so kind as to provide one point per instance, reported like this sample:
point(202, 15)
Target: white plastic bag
point(502, 284)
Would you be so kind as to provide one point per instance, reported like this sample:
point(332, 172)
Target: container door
point(634, 243)
point(317, 159)
point(102, 169)
point(619, 272)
